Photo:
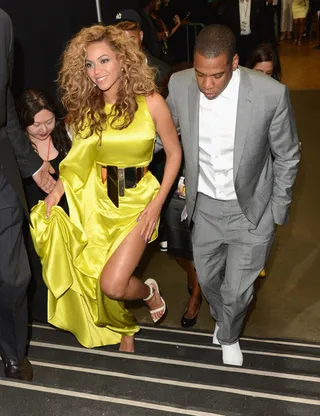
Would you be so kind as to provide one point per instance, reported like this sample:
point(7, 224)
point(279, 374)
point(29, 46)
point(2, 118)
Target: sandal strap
point(163, 307)
point(151, 292)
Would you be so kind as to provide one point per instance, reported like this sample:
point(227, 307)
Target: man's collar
point(228, 92)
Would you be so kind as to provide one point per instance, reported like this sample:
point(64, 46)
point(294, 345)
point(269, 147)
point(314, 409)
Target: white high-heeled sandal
point(153, 285)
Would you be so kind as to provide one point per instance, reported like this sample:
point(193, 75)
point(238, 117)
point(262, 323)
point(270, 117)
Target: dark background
point(42, 28)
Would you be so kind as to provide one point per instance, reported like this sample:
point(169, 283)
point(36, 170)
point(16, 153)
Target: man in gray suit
point(241, 154)
point(16, 154)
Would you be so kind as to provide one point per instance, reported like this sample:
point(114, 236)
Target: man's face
point(135, 35)
point(214, 74)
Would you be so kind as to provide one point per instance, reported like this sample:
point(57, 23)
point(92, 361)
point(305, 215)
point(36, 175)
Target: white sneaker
point(232, 354)
point(214, 338)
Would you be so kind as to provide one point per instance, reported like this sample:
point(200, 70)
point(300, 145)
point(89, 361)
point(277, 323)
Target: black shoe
point(188, 323)
point(18, 370)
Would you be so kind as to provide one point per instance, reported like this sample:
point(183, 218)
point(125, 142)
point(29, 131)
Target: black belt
point(119, 179)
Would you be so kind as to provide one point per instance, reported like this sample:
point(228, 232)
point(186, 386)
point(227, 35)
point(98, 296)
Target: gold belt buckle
point(121, 181)
point(118, 179)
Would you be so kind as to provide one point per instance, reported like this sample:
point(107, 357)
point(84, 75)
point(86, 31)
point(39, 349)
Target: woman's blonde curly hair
point(84, 101)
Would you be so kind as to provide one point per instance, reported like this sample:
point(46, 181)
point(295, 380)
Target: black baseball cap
point(128, 15)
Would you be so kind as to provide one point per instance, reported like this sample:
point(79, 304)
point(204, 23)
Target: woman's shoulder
point(154, 99)
point(157, 106)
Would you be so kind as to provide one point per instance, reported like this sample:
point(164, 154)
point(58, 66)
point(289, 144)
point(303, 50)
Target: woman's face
point(103, 67)
point(265, 67)
point(44, 123)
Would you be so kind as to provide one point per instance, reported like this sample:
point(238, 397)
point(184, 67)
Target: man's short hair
point(216, 40)
point(128, 26)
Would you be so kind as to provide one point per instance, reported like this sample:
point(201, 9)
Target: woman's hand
point(51, 200)
point(176, 19)
point(54, 197)
point(150, 215)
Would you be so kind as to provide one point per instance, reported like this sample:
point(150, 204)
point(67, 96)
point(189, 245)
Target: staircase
point(173, 372)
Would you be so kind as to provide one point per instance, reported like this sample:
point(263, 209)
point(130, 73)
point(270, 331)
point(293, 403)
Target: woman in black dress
point(48, 136)
point(179, 246)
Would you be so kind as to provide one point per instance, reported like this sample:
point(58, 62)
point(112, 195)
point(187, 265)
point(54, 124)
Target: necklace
point(49, 146)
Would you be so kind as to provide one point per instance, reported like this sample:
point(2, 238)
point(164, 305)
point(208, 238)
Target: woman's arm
point(166, 129)
point(177, 22)
point(167, 33)
point(54, 197)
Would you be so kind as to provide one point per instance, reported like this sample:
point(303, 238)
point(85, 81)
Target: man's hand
point(43, 178)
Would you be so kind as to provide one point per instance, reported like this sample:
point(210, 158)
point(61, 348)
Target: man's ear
point(235, 62)
point(141, 35)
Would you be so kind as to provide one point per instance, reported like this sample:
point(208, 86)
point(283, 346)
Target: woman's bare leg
point(295, 30)
point(127, 343)
point(117, 281)
point(301, 30)
point(195, 298)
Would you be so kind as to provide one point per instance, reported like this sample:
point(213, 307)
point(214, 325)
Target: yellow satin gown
point(74, 249)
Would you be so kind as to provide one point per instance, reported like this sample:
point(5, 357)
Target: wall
point(42, 28)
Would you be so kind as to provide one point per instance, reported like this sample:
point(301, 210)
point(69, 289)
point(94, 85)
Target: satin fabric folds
point(74, 249)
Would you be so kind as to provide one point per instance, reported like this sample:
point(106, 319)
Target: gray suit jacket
point(15, 149)
point(266, 150)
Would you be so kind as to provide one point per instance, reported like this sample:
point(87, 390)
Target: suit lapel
point(244, 114)
point(193, 104)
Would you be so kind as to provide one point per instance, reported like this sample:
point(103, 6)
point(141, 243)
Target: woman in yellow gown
point(88, 257)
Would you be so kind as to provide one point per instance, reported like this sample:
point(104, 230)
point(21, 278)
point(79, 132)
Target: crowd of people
point(165, 23)
point(203, 159)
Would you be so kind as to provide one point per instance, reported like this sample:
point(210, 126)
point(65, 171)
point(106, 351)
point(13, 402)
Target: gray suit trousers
point(229, 256)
